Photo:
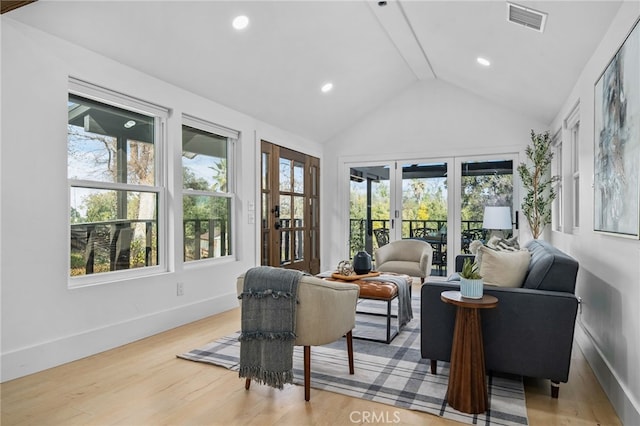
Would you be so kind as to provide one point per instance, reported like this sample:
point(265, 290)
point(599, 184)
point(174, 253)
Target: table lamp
point(496, 219)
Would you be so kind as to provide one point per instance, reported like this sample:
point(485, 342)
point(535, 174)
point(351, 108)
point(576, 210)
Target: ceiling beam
point(395, 23)
point(9, 5)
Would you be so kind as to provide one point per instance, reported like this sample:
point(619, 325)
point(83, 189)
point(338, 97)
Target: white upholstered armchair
point(326, 311)
point(411, 257)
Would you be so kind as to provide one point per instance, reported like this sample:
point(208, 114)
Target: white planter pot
point(471, 289)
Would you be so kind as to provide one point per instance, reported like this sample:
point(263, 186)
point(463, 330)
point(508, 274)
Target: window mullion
point(79, 183)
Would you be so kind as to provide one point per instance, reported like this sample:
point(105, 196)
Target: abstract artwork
point(617, 142)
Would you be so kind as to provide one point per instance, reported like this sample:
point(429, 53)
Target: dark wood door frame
point(287, 240)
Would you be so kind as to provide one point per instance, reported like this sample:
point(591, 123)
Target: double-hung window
point(116, 185)
point(572, 125)
point(556, 170)
point(575, 175)
point(208, 182)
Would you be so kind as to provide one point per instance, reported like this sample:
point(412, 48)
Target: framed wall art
point(617, 142)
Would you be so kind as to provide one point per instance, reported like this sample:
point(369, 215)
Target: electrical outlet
point(180, 289)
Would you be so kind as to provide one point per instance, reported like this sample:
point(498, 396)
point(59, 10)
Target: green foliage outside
point(205, 210)
point(485, 190)
point(102, 206)
point(425, 199)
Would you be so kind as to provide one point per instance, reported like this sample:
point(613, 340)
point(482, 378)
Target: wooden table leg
point(467, 390)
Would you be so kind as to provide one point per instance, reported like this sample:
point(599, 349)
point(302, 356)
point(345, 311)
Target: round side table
point(467, 391)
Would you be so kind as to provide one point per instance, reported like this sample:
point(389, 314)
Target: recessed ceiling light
point(240, 22)
point(129, 124)
point(483, 61)
point(326, 87)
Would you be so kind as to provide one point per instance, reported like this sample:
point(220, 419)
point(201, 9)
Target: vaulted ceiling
point(274, 69)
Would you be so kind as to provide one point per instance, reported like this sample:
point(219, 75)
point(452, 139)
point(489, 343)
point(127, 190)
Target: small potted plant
point(470, 280)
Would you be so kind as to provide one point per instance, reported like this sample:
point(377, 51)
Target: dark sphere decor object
point(362, 263)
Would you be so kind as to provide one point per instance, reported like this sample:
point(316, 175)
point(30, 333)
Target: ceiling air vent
point(524, 16)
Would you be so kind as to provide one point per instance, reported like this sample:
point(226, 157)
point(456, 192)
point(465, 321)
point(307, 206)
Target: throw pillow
point(474, 245)
point(502, 244)
point(503, 268)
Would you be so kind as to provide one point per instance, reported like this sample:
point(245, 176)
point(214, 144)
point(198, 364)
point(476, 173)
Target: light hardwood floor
point(143, 383)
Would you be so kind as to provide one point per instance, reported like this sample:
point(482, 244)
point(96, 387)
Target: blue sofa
point(530, 333)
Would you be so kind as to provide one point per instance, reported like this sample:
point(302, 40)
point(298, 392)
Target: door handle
point(277, 224)
point(276, 211)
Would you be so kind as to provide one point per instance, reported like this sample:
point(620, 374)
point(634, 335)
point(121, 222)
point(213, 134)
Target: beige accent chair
point(411, 257)
point(326, 311)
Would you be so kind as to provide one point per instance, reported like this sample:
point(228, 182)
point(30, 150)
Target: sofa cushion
point(503, 268)
point(550, 268)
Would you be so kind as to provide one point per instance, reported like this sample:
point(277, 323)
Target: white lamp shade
point(497, 218)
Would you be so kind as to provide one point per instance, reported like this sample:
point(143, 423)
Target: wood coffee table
point(467, 391)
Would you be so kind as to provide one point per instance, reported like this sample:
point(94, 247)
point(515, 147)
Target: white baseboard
point(623, 402)
point(32, 359)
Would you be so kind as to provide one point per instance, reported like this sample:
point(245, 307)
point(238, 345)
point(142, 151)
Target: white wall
point(609, 278)
point(44, 323)
point(430, 119)
point(434, 119)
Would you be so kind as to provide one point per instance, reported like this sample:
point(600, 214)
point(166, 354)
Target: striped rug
point(391, 374)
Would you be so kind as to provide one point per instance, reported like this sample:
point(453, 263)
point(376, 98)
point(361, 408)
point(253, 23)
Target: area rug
point(392, 374)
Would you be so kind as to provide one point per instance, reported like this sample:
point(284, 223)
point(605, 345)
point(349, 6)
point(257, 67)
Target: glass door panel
point(266, 208)
point(291, 211)
point(425, 208)
point(484, 182)
point(370, 222)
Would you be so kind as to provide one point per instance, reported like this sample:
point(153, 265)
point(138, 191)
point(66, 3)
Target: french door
point(440, 201)
point(290, 207)
point(399, 200)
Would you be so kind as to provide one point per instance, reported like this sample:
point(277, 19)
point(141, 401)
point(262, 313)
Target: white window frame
point(572, 127)
point(557, 170)
point(233, 137)
point(160, 114)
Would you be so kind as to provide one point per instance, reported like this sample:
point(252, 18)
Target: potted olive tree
point(471, 282)
point(538, 183)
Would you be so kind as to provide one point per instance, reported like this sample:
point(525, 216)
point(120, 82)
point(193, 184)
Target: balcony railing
point(359, 235)
point(107, 246)
point(124, 244)
point(204, 238)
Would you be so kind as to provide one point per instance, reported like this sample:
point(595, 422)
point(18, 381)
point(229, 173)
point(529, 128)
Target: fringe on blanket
point(276, 379)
